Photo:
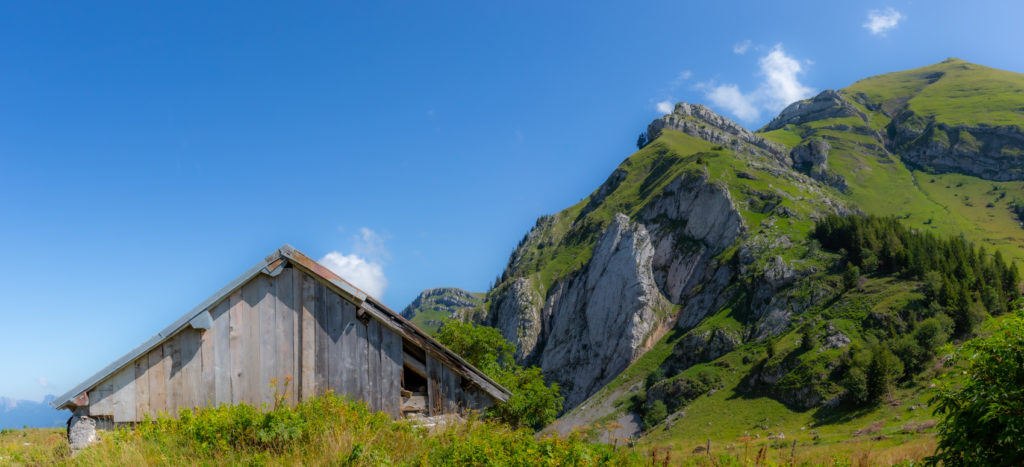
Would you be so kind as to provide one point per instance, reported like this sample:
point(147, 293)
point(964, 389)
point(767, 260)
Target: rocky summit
point(692, 277)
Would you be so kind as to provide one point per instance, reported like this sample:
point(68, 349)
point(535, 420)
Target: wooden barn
point(286, 318)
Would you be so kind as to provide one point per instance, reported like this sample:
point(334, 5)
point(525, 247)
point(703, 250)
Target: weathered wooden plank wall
point(288, 326)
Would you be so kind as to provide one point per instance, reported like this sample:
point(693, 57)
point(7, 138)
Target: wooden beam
point(415, 365)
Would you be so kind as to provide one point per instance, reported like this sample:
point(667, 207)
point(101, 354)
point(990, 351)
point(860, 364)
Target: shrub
point(883, 370)
point(533, 403)
point(981, 414)
point(809, 337)
point(655, 414)
point(653, 378)
point(856, 385)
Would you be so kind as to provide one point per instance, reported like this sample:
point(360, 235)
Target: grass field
point(331, 431)
point(955, 92)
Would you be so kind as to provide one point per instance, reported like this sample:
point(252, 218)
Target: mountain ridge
point(698, 248)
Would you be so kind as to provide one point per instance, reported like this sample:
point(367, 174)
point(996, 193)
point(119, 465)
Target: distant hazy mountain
point(20, 413)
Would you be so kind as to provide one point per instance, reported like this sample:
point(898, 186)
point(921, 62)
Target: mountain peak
point(701, 122)
point(827, 104)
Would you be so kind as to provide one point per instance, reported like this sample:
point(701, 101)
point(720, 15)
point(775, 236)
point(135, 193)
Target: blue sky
point(152, 151)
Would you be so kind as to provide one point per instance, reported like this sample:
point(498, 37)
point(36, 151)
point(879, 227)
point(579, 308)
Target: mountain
point(433, 306)
point(21, 413)
point(715, 271)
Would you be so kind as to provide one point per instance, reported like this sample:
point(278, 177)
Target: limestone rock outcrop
point(990, 152)
point(827, 104)
point(701, 122)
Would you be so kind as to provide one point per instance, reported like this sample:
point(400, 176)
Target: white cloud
point(364, 267)
point(42, 382)
point(665, 107)
point(361, 273)
point(680, 78)
point(734, 101)
point(779, 88)
point(741, 48)
point(881, 21)
point(370, 244)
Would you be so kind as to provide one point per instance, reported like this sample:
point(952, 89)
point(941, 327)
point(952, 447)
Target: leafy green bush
point(655, 414)
point(533, 403)
point(245, 427)
point(855, 383)
point(983, 413)
point(809, 337)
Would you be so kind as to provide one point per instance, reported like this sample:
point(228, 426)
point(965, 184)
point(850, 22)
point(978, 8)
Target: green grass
point(784, 136)
point(322, 431)
point(431, 313)
point(963, 94)
point(880, 184)
point(430, 320)
point(994, 226)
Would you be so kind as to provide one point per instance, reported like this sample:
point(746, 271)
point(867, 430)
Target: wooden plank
point(348, 351)
point(373, 373)
point(391, 357)
point(296, 307)
point(221, 337)
point(284, 313)
point(142, 387)
point(191, 368)
point(157, 376)
point(322, 338)
point(172, 348)
point(268, 337)
point(307, 336)
point(361, 362)
point(421, 340)
point(435, 395)
point(458, 397)
point(336, 368)
point(123, 396)
point(415, 365)
point(252, 385)
point(237, 329)
point(206, 392)
point(101, 402)
point(446, 388)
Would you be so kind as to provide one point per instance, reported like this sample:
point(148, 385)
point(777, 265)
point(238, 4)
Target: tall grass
point(331, 430)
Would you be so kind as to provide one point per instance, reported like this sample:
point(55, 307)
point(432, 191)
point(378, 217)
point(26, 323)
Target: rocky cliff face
point(990, 152)
point(701, 122)
point(657, 268)
point(828, 104)
point(432, 306)
point(449, 299)
point(994, 152)
point(597, 321)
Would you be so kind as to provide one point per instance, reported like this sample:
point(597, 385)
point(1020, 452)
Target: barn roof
point(199, 317)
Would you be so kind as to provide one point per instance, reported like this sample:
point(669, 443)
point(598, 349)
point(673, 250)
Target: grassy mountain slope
point(955, 92)
point(433, 306)
point(951, 93)
point(875, 180)
point(936, 147)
